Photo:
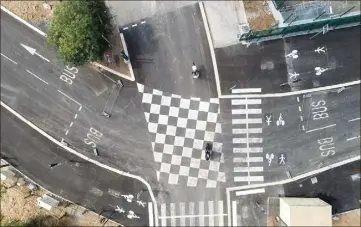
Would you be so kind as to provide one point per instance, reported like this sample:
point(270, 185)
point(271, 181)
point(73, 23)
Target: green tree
point(78, 31)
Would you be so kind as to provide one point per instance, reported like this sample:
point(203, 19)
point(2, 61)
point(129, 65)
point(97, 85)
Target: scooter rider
point(208, 151)
point(195, 72)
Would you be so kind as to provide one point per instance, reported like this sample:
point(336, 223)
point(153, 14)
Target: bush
point(78, 29)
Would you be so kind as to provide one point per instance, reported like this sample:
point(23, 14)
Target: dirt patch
point(258, 15)
point(351, 218)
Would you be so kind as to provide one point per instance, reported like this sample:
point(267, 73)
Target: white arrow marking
point(32, 51)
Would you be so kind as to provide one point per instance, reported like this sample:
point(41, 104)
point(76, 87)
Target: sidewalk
point(224, 18)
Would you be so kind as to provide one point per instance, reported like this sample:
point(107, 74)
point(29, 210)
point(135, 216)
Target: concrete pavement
point(74, 179)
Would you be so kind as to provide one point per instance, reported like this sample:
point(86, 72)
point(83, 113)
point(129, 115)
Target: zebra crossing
point(202, 213)
point(247, 140)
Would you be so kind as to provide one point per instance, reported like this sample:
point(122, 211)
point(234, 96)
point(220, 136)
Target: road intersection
point(159, 125)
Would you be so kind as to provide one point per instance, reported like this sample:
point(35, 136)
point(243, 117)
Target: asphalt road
point(74, 179)
point(268, 65)
point(163, 48)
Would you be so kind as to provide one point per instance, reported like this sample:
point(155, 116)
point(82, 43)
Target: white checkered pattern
point(180, 128)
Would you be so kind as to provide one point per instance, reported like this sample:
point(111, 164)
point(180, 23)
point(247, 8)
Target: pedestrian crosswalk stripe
point(244, 130)
point(191, 211)
point(172, 213)
point(246, 101)
point(220, 211)
point(163, 213)
point(248, 150)
point(246, 111)
point(248, 169)
point(246, 90)
point(182, 210)
point(211, 212)
point(247, 121)
point(247, 140)
point(249, 159)
point(248, 179)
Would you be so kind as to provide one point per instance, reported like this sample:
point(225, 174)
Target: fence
point(330, 23)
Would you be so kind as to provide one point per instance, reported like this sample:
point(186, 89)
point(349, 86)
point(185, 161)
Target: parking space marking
point(355, 119)
point(353, 138)
point(316, 129)
point(9, 59)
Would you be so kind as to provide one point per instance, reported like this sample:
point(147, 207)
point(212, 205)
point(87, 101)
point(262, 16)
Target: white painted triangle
point(30, 49)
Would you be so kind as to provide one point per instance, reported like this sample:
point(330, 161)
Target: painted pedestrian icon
point(119, 210)
point(269, 157)
point(282, 159)
point(280, 121)
point(132, 215)
point(320, 70)
point(294, 75)
point(293, 54)
point(129, 197)
point(320, 49)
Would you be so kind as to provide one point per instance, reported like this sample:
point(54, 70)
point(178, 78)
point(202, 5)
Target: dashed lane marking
point(37, 77)
point(9, 59)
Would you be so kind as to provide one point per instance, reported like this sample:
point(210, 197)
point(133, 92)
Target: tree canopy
point(78, 30)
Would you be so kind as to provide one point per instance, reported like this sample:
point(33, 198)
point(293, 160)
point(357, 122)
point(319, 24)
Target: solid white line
point(9, 59)
point(248, 169)
point(248, 179)
point(248, 192)
point(69, 97)
point(316, 129)
point(37, 77)
point(182, 210)
point(211, 213)
point(85, 157)
point(355, 119)
point(247, 140)
point(247, 121)
point(23, 21)
point(220, 211)
point(234, 213)
point(150, 212)
point(248, 111)
point(246, 90)
point(210, 43)
point(244, 131)
point(292, 92)
point(250, 159)
point(201, 213)
point(246, 101)
point(296, 178)
point(163, 212)
point(352, 138)
point(246, 150)
point(299, 108)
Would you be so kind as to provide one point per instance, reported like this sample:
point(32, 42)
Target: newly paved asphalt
point(339, 187)
point(267, 66)
point(75, 179)
point(163, 48)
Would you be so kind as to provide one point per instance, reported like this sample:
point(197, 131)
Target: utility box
point(6, 174)
point(47, 202)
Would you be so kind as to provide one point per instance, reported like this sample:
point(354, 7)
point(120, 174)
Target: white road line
point(248, 111)
point(182, 210)
point(234, 213)
point(292, 92)
point(353, 138)
point(298, 99)
point(69, 97)
point(252, 191)
point(244, 131)
point(247, 140)
point(247, 121)
point(301, 118)
point(75, 116)
point(71, 124)
point(150, 212)
point(250, 150)
point(250, 159)
point(142, 22)
point(303, 128)
point(191, 212)
point(9, 59)
point(246, 90)
point(210, 43)
point(211, 213)
point(220, 212)
point(163, 212)
point(80, 107)
point(248, 169)
point(249, 179)
point(190, 216)
point(355, 119)
point(134, 25)
point(125, 28)
point(173, 221)
point(52, 139)
point(201, 213)
point(299, 108)
point(67, 131)
point(37, 76)
point(246, 101)
point(316, 129)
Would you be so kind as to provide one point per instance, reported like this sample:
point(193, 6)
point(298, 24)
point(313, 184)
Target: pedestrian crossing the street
point(247, 140)
point(202, 213)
